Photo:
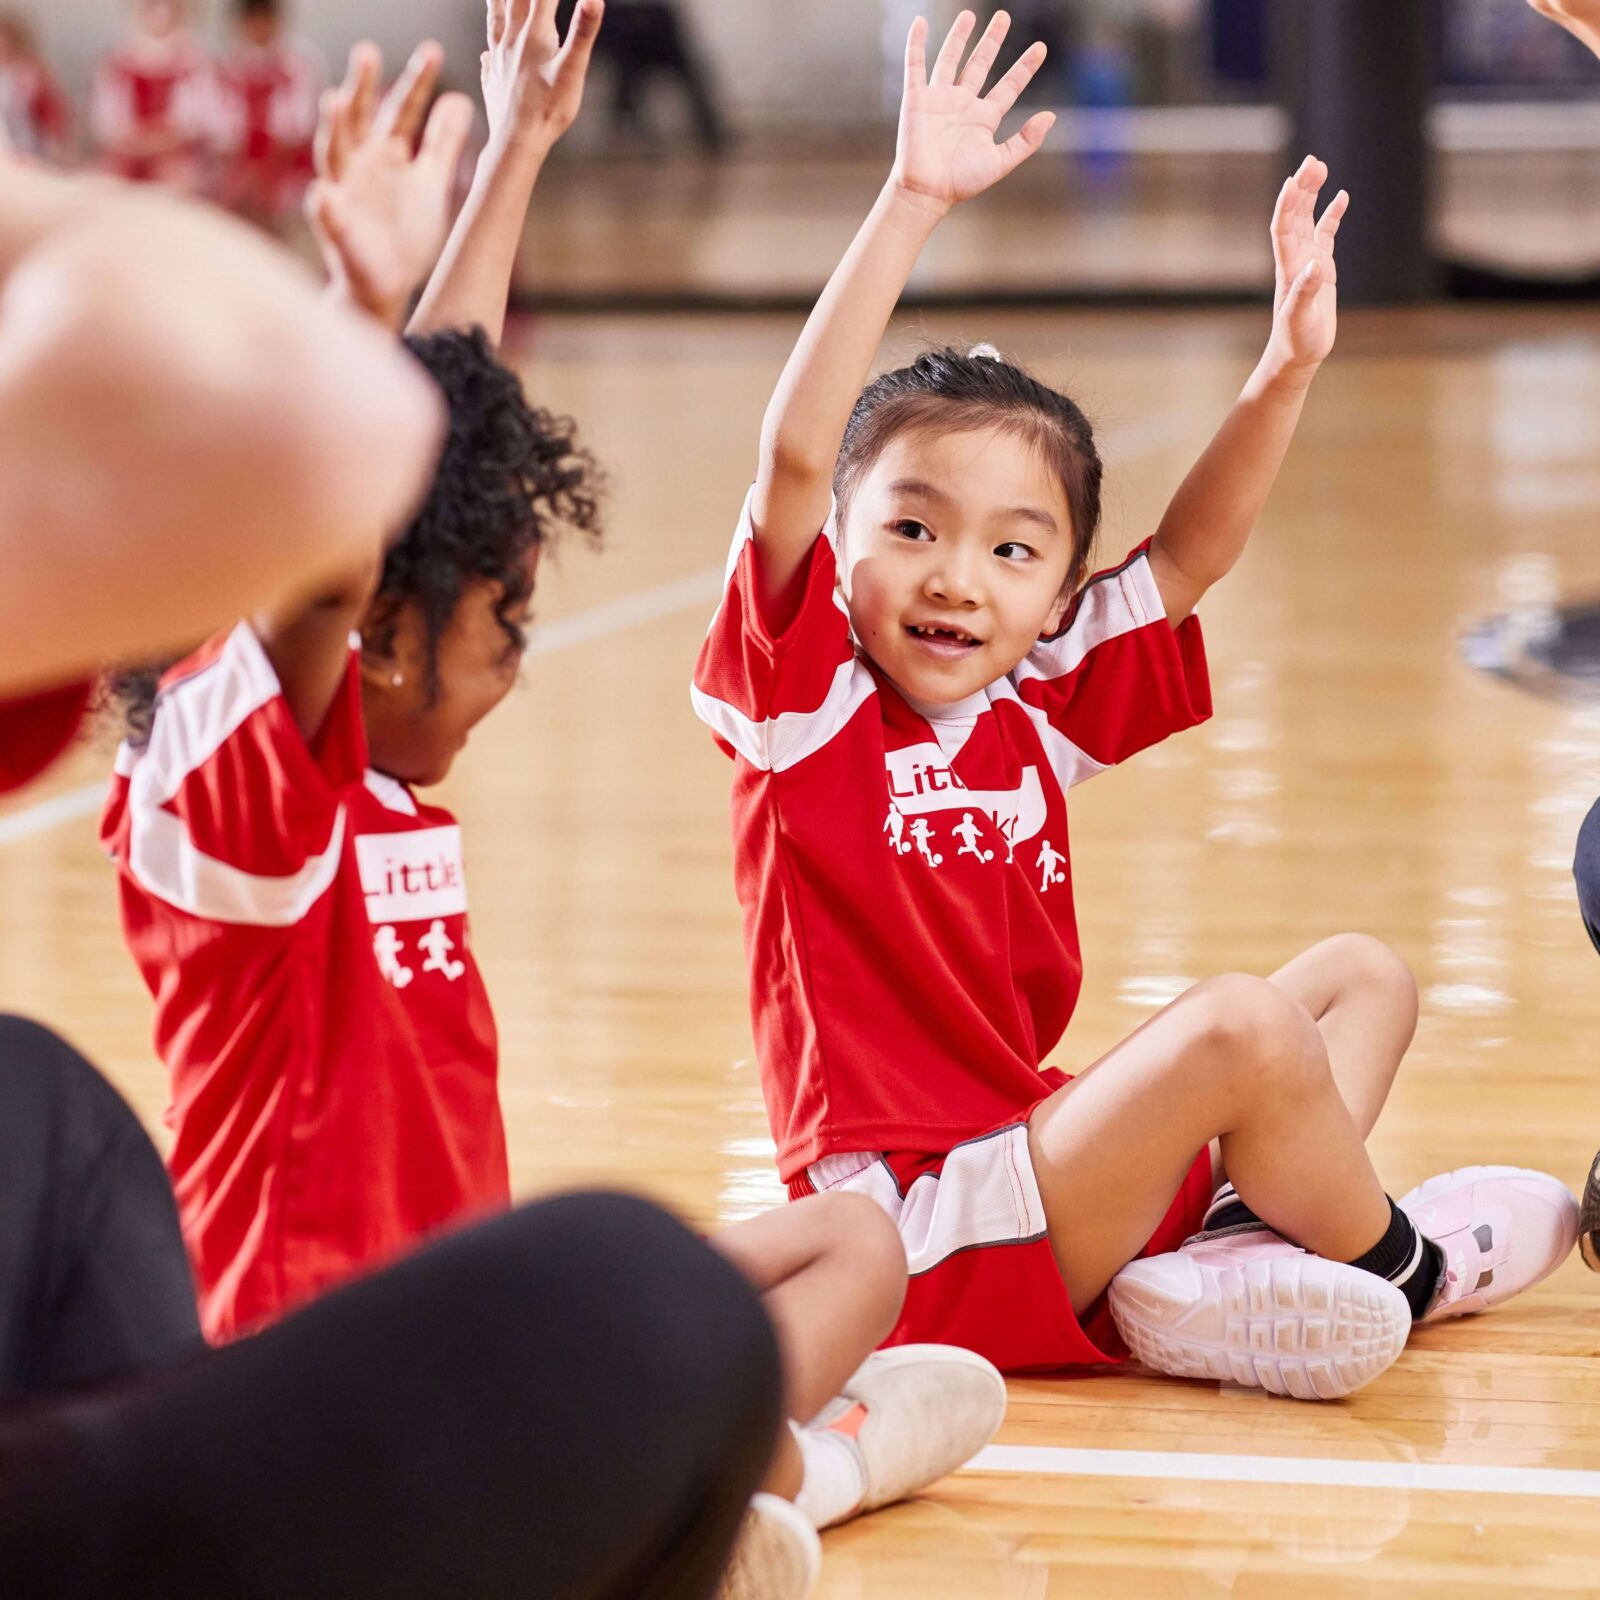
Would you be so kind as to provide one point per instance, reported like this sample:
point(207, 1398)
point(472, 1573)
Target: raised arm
point(379, 209)
point(532, 90)
point(187, 428)
point(1210, 519)
point(946, 152)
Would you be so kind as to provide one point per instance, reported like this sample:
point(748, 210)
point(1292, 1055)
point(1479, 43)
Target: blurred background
point(742, 141)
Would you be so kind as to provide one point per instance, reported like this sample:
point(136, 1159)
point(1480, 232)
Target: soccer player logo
point(922, 832)
point(386, 946)
point(895, 826)
point(1050, 860)
point(968, 832)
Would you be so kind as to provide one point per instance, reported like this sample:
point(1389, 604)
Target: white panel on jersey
point(165, 861)
point(986, 1194)
point(412, 877)
point(394, 794)
point(1115, 605)
point(775, 744)
point(198, 715)
point(1070, 764)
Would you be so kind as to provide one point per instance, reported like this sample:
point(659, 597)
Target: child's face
point(259, 28)
point(955, 554)
point(161, 18)
point(413, 737)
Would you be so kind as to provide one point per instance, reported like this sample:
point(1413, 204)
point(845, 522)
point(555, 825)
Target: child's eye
point(1011, 550)
point(908, 528)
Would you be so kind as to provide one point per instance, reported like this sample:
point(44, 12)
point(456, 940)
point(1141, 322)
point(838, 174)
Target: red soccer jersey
point(302, 924)
point(34, 113)
point(903, 870)
point(156, 96)
point(267, 118)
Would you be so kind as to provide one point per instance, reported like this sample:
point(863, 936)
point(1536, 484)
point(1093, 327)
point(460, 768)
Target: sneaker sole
point(1589, 1220)
point(1298, 1326)
point(777, 1555)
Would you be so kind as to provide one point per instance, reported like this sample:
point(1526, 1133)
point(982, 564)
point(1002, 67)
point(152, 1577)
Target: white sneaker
point(1255, 1310)
point(777, 1555)
point(1502, 1230)
point(914, 1414)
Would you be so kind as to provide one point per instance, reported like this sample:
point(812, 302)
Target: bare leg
point(831, 1272)
point(1362, 997)
point(1235, 1059)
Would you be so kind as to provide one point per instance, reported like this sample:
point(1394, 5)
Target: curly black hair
point(512, 477)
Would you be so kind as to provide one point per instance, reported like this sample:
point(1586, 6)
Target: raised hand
point(1305, 300)
point(532, 80)
point(947, 149)
point(1581, 18)
point(380, 208)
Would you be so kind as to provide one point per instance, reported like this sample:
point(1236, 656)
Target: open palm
point(380, 208)
point(1305, 305)
point(947, 149)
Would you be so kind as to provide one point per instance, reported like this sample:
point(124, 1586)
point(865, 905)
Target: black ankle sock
point(1410, 1261)
point(1227, 1213)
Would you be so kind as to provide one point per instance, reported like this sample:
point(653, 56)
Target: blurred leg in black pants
point(1586, 869)
point(94, 1281)
point(574, 1400)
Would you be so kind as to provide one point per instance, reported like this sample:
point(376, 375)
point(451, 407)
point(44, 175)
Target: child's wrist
point(916, 204)
point(1280, 372)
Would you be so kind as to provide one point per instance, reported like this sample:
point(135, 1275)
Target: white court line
point(1318, 1472)
point(598, 622)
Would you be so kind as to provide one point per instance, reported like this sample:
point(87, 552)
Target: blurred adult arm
point(188, 429)
point(1581, 18)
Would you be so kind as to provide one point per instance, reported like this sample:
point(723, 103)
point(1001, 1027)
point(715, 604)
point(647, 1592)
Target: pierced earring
point(397, 680)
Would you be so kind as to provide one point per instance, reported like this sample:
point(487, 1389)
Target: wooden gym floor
point(1357, 775)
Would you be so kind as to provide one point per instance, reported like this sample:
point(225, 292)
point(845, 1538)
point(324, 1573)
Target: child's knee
point(1258, 1037)
point(1370, 965)
point(862, 1232)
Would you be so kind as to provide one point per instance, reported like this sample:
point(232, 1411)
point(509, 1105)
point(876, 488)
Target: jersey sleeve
point(229, 812)
point(1118, 677)
point(774, 695)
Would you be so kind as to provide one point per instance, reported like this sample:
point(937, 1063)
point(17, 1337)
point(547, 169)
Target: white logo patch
point(410, 877)
point(920, 780)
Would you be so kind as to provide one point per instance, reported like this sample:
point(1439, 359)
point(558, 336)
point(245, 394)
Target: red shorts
point(983, 1275)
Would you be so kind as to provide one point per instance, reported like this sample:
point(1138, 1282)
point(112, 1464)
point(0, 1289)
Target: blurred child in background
point(153, 103)
point(35, 116)
point(268, 87)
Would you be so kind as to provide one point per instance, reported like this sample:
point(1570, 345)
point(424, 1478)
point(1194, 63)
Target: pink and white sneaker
point(1502, 1230)
point(1253, 1309)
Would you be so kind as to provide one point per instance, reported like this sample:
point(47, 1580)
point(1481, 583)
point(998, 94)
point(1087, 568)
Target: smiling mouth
point(941, 640)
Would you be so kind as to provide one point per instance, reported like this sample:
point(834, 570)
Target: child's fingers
point(576, 52)
point(984, 52)
point(518, 15)
point(407, 103)
point(1304, 289)
point(328, 152)
point(1005, 94)
point(1027, 139)
point(544, 16)
point(445, 137)
point(917, 54)
point(1332, 216)
point(496, 24)
point(366, 73)
point(955, 44)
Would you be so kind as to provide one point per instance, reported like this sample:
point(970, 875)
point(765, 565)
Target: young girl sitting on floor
point(910, 671)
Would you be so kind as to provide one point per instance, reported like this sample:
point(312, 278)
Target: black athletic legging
point(573, 1400)
point(1586, 869)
